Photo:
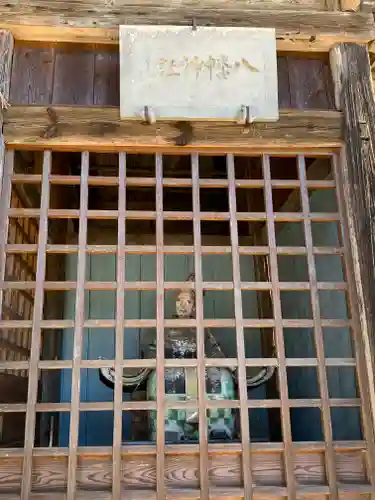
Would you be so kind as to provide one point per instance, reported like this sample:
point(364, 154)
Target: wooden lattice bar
point(120, 317)
point(160, 337)
point(245, 431)
point(285, 415)
point(260, 248)
point(360, 366)
point(201, 370)
point(78, 331)
point(319, 341)
point(36, 336)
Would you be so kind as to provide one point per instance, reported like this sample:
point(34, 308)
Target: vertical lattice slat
point(36, 335)
point(120, 316)
point(160, 368)
point(240, 340)
point(78, 329)
point(203, 446)
point(279, 334)
point(318, 332)
point(364, 387)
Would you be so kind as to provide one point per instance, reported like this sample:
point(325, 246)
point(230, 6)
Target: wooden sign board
point(178, 72)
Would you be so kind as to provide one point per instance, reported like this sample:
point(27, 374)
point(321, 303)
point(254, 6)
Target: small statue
point(182, 383)
point(185, 301)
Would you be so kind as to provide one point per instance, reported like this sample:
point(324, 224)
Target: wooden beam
point(355, 174)
point(100, 129)
point(94, 21)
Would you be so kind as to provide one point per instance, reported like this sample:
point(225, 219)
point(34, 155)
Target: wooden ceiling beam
point(96, 22)
point(100, 129)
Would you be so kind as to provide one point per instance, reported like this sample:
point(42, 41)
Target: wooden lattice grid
point(273, 285)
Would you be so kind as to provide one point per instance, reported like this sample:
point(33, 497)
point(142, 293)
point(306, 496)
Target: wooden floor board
point(94, 472)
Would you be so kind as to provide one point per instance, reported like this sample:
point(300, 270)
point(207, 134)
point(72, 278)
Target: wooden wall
point(79, 75)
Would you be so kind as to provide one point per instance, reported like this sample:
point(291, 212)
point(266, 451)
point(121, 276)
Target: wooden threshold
point(97, 22)
point(230, 493)
point(138, 466)
point(100, 129)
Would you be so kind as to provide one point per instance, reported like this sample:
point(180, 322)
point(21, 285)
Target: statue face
point(185, 304)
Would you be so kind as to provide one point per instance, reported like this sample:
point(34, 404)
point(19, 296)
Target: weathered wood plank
point(107, 79)
point(138, 472)
point(357, 492)
point(310, 84)
point(74, 78)
point(350, 65)
point(32, 75)
point(100, 129)
point(92, 21)
point(283, 82)
point(6, 54)
point(34, 68)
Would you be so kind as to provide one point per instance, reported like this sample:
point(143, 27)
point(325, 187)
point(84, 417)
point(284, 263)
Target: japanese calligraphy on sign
point(211, 67)
point(207, 73)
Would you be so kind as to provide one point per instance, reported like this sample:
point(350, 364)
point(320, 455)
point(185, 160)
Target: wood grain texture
point(107, 79)
point(138, 472)
point(310, 84)
point(6, 55)
point(108, 37)
point(83, 18)
point(100, 129)
point(305, 493)
point(35, 77)
point(283, 82)
point(32, 75)
point(74, 78)
point(78, 331)
point(352, 76)
point(36, 337)
point(200, 334)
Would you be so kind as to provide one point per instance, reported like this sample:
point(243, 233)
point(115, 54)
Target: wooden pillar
point(6, 55)
point(350, 66)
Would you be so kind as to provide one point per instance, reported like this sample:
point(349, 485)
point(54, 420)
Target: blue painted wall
point(299, 343)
